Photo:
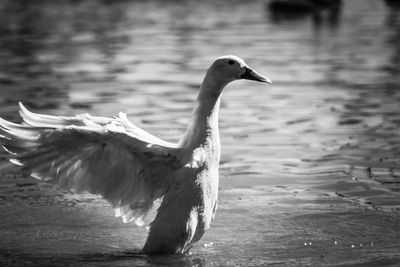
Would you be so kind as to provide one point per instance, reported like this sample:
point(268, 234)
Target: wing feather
point(107, 156)
point(42, 120)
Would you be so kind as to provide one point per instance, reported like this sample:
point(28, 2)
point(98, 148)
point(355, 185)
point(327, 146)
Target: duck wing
point(111, 157)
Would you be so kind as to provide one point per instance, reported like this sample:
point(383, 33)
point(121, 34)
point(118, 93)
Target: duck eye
point(231, 62)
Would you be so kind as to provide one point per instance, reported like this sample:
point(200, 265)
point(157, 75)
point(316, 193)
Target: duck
point(131, 168)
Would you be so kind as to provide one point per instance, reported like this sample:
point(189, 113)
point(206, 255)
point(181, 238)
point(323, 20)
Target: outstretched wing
point(107, 156)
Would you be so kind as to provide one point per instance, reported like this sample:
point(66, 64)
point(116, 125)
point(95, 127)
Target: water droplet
point(207, 245)
point(361, 245)
point(305, 244)
point(335, 242)
point(372, 244)
point(353, 246)
point(310, 243)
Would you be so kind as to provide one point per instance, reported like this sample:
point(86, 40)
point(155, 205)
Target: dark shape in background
point(321, 12)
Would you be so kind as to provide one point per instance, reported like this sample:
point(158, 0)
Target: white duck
point(131, 168)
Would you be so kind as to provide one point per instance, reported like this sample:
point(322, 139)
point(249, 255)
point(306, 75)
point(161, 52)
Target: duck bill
point(254, 76)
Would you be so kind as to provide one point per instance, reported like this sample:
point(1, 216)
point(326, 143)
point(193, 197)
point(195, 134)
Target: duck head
point(230, 68)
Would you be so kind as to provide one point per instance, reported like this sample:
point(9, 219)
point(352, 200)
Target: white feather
point(95, 154)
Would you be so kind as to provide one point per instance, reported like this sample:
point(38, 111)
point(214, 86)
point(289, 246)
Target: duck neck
point(203, 126)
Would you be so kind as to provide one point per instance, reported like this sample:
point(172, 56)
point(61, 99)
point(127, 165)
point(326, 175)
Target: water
point(310, 165)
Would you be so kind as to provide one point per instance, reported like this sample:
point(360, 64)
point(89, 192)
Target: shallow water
point(310, 167)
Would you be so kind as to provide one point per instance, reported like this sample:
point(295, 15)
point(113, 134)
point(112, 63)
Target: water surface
point(310, 165)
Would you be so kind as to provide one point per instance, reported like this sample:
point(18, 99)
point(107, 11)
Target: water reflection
point(125, 258)
point(21, 42)
point(20, 36)
point(38, 41)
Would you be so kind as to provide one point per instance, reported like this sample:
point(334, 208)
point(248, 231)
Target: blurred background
point(328, 127)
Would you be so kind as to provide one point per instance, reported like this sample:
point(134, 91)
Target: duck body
point(131, 168)
point(190, 204)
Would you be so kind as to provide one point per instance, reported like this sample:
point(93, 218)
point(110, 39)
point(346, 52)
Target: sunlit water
point(310, 167)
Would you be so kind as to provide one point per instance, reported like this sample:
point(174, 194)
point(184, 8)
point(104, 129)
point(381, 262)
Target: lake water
point(310, 169)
